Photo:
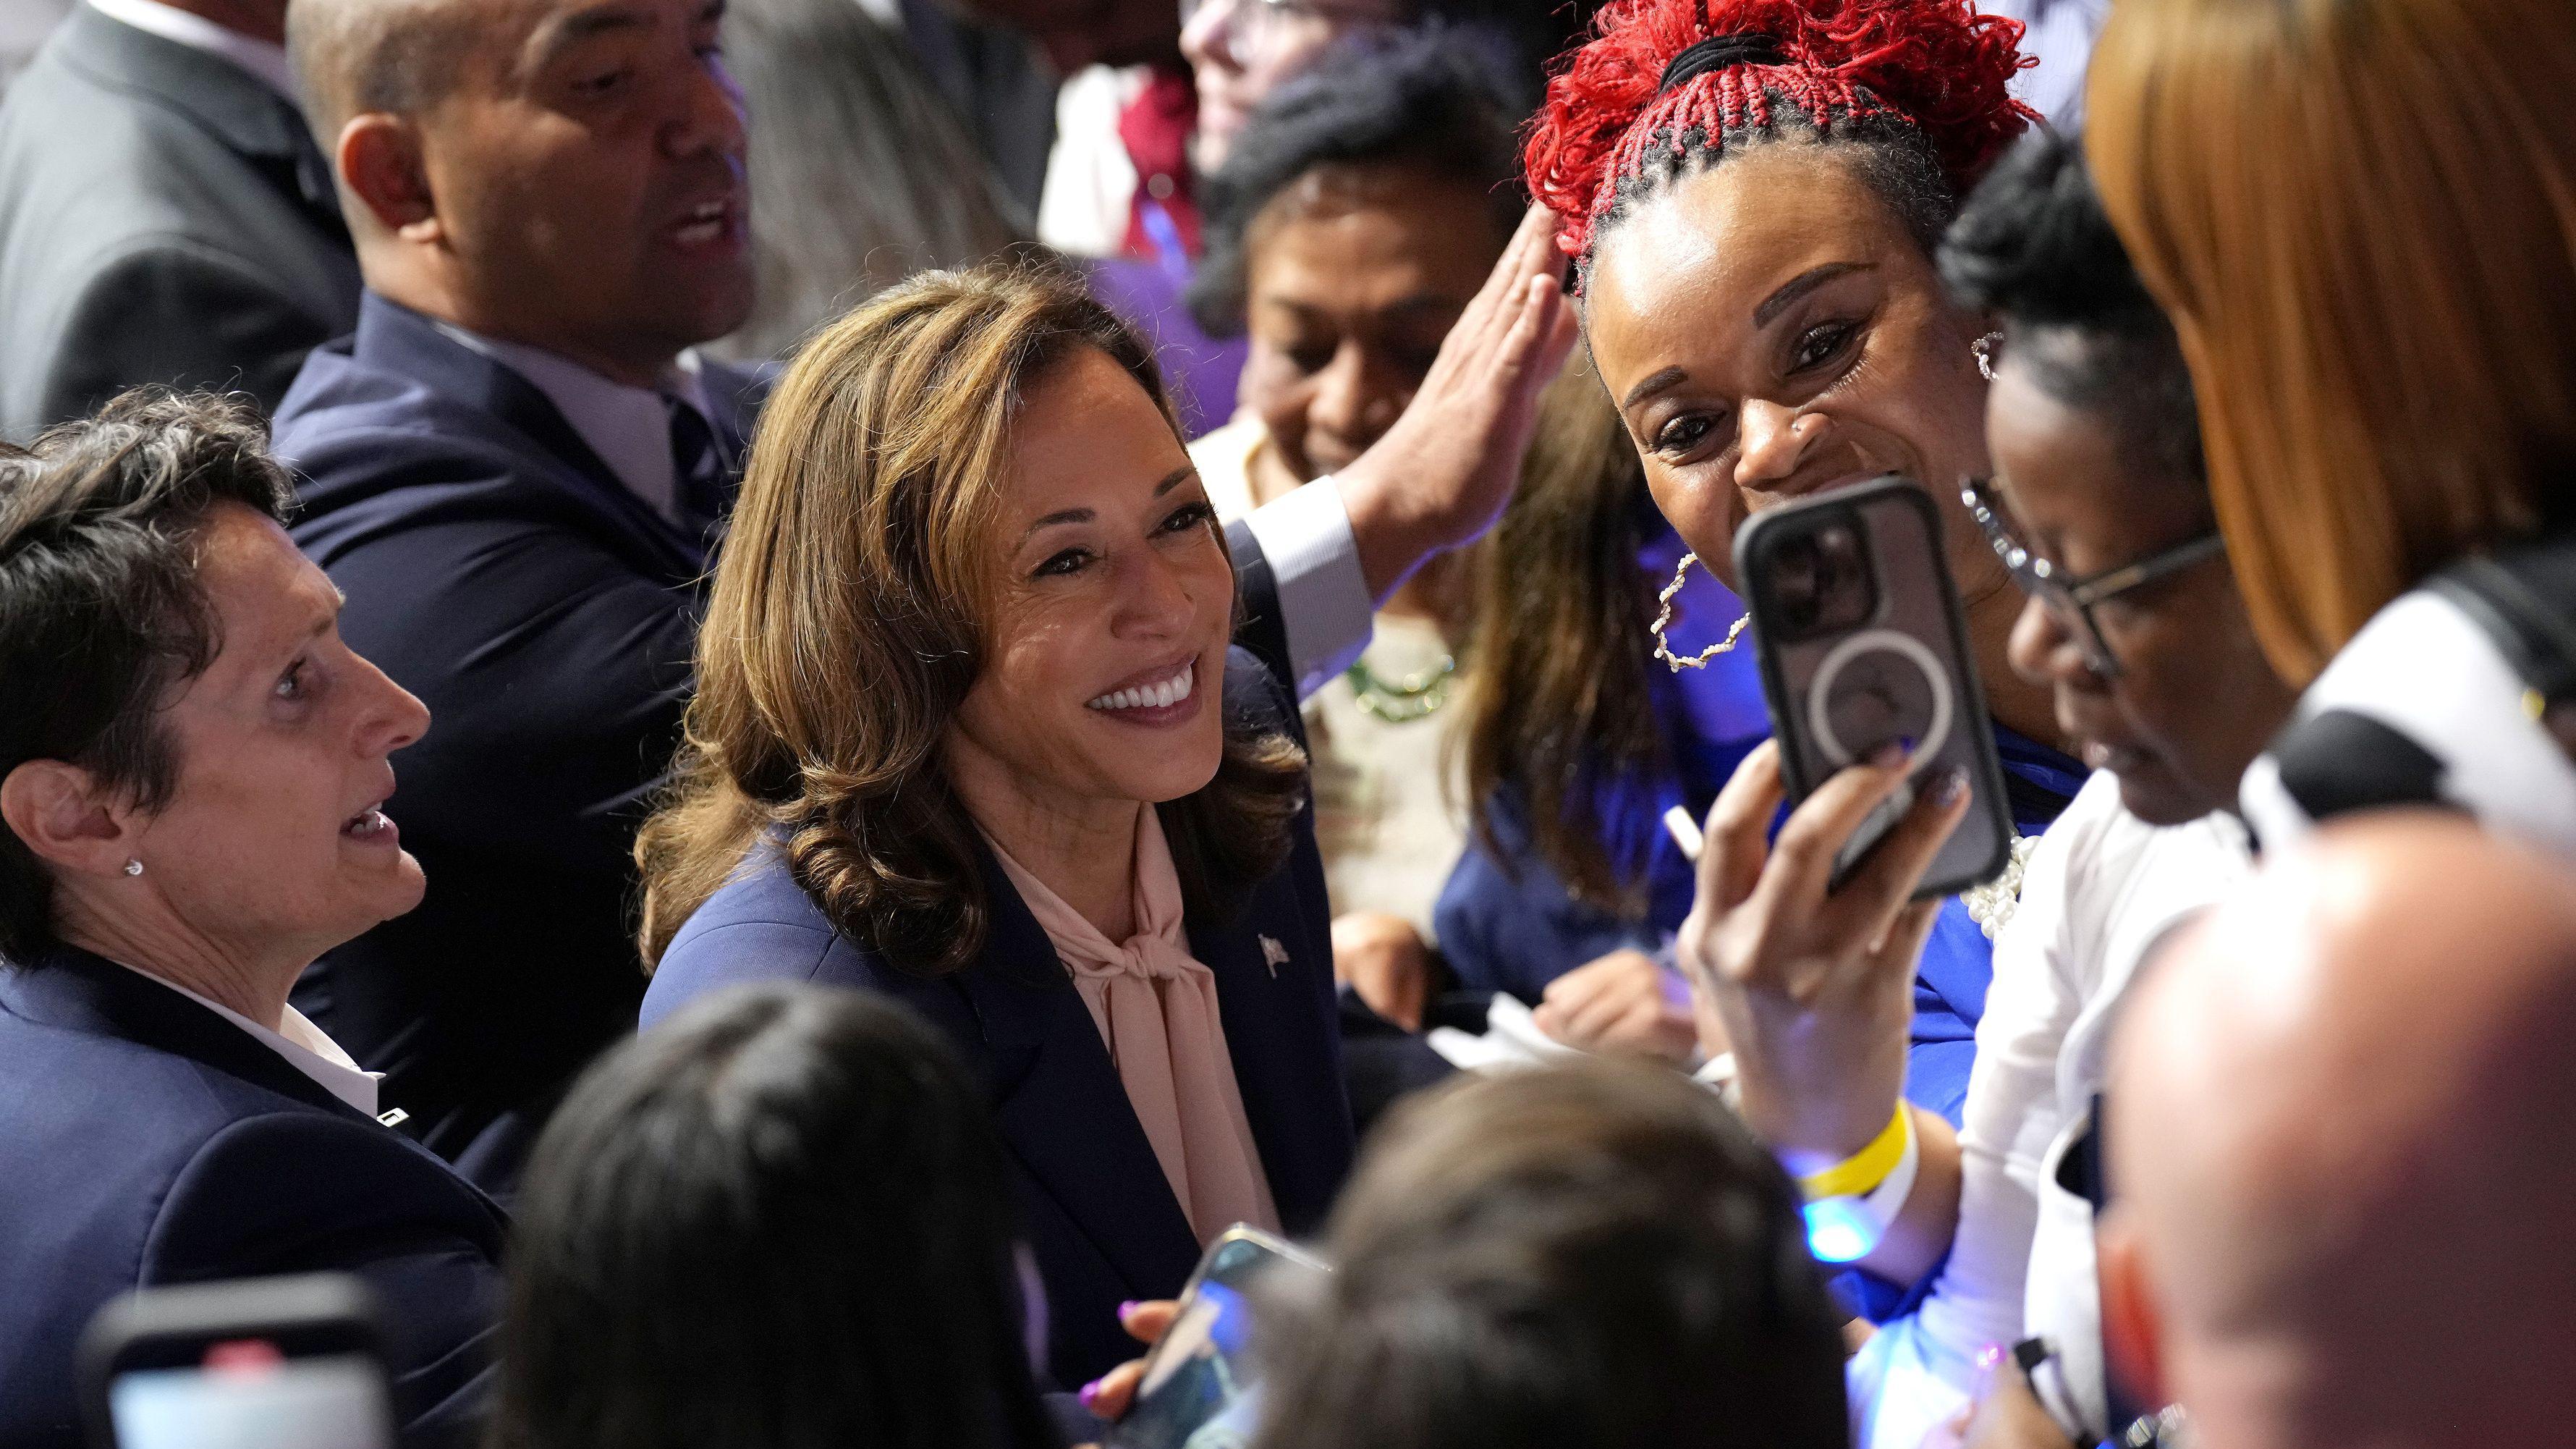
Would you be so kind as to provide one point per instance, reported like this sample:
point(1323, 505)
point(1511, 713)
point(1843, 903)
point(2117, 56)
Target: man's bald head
point(2338, 1131)
point(394, 56)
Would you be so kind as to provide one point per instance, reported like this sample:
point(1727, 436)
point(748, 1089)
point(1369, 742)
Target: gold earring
point(1664, 619)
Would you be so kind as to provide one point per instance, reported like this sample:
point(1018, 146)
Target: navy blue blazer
point(496, 568)
point(147, 1141)
point(1100, 1216)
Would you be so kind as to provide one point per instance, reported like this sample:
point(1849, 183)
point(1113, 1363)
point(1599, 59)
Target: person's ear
point(381, 164)
point(60, 814)
point(2132, 1324)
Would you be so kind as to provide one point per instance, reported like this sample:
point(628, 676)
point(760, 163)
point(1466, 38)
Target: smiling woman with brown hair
point(969, 731)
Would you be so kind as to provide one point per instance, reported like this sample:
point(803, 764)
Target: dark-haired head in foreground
point(1596, 1254)
point(2098, 473)
point(778, 1221)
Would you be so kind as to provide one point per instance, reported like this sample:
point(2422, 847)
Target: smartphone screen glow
point(243, 1398)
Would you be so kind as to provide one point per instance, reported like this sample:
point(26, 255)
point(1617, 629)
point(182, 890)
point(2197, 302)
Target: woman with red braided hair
point(1752, 192)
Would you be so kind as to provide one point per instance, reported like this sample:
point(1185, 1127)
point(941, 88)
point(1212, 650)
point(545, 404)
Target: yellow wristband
point(1864, 1170)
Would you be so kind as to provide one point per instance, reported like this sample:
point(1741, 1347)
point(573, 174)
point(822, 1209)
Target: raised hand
point(1444, 470)
point(1815, 990)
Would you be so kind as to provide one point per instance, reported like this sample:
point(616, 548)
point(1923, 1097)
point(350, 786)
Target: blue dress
point(1506, 921)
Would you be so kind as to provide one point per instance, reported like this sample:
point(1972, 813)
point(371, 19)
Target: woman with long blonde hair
point(969, 731)
point(2362, 218)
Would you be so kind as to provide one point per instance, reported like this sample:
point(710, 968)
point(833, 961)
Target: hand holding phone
point(1197, 1390)
point(1805, 947)
point(263, 1363)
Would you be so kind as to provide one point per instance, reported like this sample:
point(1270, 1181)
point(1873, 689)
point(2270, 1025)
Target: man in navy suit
point(189, 812)
point(516, 467)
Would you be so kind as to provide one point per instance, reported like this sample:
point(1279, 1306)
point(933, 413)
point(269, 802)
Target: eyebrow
point(1800, 285)
point(567, 31)
point(1061, 516)
point(1764, 314)
point(324, 625)
point(1655, 382)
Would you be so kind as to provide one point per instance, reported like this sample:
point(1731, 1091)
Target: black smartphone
point(1197, 1392)
point(1862, 643)
point(261, 1363)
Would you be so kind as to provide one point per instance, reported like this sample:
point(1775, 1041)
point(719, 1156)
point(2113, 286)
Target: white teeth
point(367, 822)
point(1153, 696)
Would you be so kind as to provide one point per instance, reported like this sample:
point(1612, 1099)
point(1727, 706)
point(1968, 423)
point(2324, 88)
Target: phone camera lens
point(1819, 581)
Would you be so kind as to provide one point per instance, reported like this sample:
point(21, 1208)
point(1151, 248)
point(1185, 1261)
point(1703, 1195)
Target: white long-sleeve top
point(2102, 888)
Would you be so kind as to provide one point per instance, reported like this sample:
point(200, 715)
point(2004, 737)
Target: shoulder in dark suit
point(1100, 1215)
point(496, 568)
point(150, 1141)
point(164, 217)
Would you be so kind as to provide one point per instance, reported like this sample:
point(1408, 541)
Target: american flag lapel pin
point(1273, 955)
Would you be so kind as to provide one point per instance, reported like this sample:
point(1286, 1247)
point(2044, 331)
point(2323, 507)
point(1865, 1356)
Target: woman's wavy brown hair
point(845, 627)
point(1557, 703)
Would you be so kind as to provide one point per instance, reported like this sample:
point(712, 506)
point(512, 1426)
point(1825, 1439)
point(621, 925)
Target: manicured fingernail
point(1091, 1392)
point(1987, 1357)
point(1126, 1308)
point(1890, 755)
point(1954, 787)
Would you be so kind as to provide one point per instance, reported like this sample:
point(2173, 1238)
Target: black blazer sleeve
point(300, 1192)
point(1257, 622)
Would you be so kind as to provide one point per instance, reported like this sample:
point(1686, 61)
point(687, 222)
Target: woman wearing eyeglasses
point(2100, 505)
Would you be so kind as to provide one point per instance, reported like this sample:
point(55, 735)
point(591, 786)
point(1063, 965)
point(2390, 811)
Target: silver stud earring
point(1984, 348)
point(134, 867)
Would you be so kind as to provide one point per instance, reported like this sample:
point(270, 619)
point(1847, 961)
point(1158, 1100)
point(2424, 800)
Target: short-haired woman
point(193, 773)
point(2390, 405)
point(780, 1220)
point(1593, 1254)
point(969, 731)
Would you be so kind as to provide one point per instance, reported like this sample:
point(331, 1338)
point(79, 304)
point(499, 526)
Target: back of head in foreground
point(2336, 1122)
point(778, 1221)
point(1596, 1254)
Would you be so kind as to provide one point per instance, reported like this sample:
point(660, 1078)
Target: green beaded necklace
point(1402, 701)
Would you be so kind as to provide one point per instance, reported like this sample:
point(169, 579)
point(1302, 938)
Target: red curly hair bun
point(1934, 64)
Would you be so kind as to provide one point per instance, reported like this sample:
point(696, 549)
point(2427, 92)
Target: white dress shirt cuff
point(1324, 602)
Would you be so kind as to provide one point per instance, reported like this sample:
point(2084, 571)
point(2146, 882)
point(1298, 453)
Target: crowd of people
point(764, 706)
